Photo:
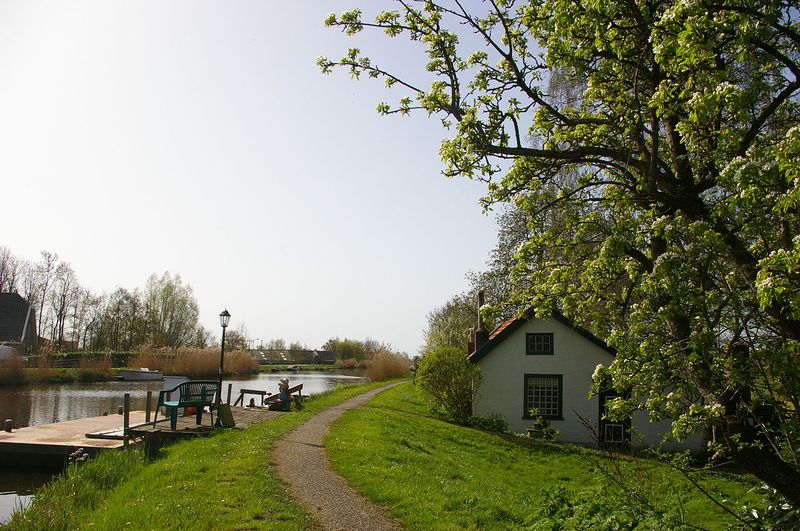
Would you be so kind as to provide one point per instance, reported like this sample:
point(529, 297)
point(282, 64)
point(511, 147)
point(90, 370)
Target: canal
point(30, 405)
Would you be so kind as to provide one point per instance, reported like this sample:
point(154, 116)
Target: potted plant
point(540, 429)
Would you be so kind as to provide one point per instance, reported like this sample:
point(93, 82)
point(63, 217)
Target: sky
point(199, 137)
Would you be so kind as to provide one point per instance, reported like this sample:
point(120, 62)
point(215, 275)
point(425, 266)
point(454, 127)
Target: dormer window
point(539, 344)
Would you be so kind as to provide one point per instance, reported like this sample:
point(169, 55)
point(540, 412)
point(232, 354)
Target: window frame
point(530, 352)
point(526, 407)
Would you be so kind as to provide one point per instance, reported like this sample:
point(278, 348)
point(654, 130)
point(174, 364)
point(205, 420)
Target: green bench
point(194, 393)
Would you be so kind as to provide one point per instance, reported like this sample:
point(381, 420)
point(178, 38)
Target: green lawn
point(435, 475)
point(222, 482)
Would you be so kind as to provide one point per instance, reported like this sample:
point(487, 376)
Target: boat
point(293, 368)
point(141, 374)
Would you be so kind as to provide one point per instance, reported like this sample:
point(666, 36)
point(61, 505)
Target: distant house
point(547, 364)
point(297, 356)
point(325, 357)
point(17, 323)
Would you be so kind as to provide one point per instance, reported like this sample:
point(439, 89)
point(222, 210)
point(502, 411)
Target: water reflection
point(46, 403)
point(16, 490)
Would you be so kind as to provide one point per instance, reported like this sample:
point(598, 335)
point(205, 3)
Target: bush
point(601, 509)
point(386, 364)
point(449, 381)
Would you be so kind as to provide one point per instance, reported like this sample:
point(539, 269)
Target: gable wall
point(502, 389)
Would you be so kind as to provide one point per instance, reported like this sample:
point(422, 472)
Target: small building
point(324, 357)
point(268, 356)
point(17, 323)
point(547, 365)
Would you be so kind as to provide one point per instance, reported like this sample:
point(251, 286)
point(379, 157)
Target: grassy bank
point(222, 482)
point(86, 372)
point(435, 475)
point(57, 376)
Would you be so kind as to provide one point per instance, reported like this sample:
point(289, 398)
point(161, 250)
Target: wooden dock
point(47, 446)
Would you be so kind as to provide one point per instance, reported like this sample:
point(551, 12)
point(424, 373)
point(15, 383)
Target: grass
point(435, 475)
point(222, 482)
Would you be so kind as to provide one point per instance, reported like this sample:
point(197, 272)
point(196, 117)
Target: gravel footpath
point(302, 463)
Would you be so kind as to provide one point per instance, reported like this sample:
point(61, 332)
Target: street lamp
point(224, 319)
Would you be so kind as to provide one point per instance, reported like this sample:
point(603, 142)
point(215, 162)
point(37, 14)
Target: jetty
point(48, 446)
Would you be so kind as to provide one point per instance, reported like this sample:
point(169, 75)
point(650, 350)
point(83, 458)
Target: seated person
point(283, 394)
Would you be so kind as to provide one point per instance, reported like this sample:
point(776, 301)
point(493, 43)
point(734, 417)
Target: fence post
point(126, 408)
point(230, 388)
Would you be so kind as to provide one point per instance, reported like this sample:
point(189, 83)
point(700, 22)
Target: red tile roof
point(502, 327)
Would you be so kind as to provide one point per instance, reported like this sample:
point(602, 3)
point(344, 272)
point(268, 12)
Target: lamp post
point(224, 319)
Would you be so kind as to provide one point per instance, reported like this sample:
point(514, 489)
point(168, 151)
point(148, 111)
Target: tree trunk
point(773, 471)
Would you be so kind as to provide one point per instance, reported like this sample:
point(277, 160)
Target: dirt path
point(302, 463)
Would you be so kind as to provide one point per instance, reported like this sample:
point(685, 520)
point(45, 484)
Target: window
point(543, 392)
point(539, 344)
point(614, 434)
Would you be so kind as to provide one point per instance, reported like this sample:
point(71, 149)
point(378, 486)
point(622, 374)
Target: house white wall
point(649, 433)
point(575, 358)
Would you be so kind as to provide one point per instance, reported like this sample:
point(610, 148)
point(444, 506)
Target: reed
point(386, 364)
point(43, 372)
point(94, 369)
point(350, 363)
point(195, 362)
point(12, 371)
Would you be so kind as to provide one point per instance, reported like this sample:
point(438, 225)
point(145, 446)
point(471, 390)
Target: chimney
point(481, 334)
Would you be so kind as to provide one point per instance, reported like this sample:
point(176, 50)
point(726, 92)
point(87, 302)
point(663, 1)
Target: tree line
point(342, 349)
point(164, 313)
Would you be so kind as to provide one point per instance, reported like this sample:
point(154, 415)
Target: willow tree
point(662, 183)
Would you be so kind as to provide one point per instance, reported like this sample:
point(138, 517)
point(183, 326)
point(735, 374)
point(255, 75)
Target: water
point(16, 490)
point(30, 405)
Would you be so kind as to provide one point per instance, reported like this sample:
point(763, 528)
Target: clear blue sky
point(199, 138)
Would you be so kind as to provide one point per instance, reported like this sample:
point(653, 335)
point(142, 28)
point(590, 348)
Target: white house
point(547, 364)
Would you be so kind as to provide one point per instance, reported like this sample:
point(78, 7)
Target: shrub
point(449, 381)
point(386, 364)
point(772, 511)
